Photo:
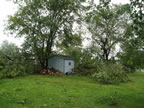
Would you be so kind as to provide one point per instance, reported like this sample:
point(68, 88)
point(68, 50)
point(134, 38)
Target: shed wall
point(69, 66)
point(57, 63)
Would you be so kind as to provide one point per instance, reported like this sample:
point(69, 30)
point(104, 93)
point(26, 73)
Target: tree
point(107, 25)
point(9, 60)
point(72, 46)
point(41, 22)
point(13, 62)
point(9, 50)
point(132, 48)
point(131, 56)
point(137, 12)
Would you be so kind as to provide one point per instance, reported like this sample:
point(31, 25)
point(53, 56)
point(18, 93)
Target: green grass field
point(38, 91)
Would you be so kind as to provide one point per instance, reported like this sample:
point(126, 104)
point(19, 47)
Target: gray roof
point(63, 56)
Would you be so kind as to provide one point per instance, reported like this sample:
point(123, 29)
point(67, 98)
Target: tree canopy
point(108, 25)
point(48, 27)
point(41, 22)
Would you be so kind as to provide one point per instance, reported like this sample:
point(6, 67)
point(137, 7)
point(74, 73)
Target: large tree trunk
point(48, 50)
point(105, 54)
point(49, 46)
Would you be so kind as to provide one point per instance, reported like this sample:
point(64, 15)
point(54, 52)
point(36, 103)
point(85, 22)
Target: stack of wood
point(51, 71)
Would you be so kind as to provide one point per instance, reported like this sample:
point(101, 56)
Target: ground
point(39, 91)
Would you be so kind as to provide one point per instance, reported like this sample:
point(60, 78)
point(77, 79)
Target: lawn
point(39, 91)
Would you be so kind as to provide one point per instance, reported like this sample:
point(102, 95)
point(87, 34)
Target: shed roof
point(63, 56)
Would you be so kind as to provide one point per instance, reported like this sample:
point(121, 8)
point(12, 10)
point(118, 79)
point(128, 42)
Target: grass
point(38, 91)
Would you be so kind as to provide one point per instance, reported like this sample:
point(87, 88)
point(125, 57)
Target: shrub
point(110, 74)
point(16, 68)
point(84, 69)
point(13, 62)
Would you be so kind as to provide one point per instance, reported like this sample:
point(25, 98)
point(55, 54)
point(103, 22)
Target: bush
point(13, 62)
point(110, 74)
point(84, 69)
point(16, 68)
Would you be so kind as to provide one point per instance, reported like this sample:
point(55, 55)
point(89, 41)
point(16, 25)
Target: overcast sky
point(8, 8)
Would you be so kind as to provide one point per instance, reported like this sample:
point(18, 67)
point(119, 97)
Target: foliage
point(132, 56)
point(107, 24)
point(12, 62)
point(132, 45)
point(72, 46)
point(110, 74)
point(48, 24)
point(87, 63)
point(41, 22)
point(137, 7)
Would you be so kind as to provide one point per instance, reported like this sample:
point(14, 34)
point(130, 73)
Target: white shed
point(62, 63)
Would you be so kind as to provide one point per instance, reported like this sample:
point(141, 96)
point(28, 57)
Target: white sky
point(8, 8)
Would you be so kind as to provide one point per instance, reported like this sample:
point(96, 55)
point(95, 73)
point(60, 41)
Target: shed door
point(69, 65)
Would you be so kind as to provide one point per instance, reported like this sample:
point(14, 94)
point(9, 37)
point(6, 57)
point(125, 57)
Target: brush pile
point(51, 71)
